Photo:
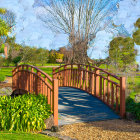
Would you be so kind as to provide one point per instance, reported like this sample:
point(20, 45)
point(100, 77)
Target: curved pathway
point(78, 106)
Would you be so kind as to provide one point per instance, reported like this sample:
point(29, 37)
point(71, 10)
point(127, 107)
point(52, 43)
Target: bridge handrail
point(45, 74)
point(97, 68)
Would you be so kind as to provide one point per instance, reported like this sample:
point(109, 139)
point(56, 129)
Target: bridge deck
point(78, 106)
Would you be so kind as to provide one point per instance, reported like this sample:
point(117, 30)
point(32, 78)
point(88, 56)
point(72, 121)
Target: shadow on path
point(78, 106)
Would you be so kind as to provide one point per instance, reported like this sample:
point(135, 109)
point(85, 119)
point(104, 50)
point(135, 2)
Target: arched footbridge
point(78, 92)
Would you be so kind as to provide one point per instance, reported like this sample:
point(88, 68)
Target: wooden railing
point(33, 80)
point(98, 82)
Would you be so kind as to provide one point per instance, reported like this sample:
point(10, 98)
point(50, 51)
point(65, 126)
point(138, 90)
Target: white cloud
point(32, 30)
point(128, 13)
point(28, 28)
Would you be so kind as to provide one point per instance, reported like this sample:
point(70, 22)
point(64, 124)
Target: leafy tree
point(52, 56)
point(16, 60)
point(122, 52)
point(136, 34)
point(42, 56)
point(59, 55)
point(7, 22)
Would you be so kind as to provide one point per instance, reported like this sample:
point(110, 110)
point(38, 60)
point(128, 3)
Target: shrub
point(24, 113)
point(133, 107)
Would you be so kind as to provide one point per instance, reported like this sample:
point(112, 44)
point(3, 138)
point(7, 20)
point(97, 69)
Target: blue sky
point(32, 31)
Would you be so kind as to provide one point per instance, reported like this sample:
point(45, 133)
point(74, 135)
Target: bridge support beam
point(55, 99)
point(122, 96)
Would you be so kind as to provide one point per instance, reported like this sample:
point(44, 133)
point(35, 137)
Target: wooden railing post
point(97, 82)
point(53, 73)
point(65, 76)
point(86, 79)
point(122, 96)
point(55, 101)
point(38, 83)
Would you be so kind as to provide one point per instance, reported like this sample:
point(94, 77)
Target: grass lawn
point(6, 135)
point(7, 71)
point(48, 64)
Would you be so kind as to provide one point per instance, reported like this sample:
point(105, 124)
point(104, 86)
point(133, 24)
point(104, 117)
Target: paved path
point(78, 106)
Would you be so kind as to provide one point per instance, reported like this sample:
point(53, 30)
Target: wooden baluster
point(108, 90)
point(90, 78)
point(65, 76)
point(83, 79)
point(38, 82)
point(86, 78)
point(104, 90)
point(59, 76)
point(112, 96)
point(49, 99)
point(19, 78)
point(71, 75)
point(52, 98)
point(92, 84)
point(23, 78)
point(78, 76)
point(68, 84)
point(100, 87)
point(45, 87)
point(31, 80)
point(117, 99)
point(122, 96)
point(53, 73)
point(27, 78)
point(13, 80)
point(96, 82)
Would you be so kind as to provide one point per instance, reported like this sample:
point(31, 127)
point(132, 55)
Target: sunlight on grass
point(6, 135)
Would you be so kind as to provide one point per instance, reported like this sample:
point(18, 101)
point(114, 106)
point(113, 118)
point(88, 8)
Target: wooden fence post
point(97, 82)
point(122, 96)
point(55, 101)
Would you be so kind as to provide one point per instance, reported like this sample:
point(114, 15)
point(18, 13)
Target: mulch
point(103, 130)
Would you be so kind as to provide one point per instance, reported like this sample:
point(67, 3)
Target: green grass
point(6, 135)
point(7, 71)
point(48, 64)
point(47, 70)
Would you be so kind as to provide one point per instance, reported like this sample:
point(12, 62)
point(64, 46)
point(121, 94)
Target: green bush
point(133, 107)
point(24, 113)
point(2, 77)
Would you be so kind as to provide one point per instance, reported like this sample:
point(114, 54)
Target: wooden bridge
point(107, 87)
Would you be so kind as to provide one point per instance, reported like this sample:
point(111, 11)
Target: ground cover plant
point(132, 106)
point(24, 113)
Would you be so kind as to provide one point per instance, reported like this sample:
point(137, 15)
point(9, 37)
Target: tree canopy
point(122, 52)
point(136, 34)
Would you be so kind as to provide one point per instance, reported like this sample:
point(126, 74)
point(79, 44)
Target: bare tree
point(80, 20)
